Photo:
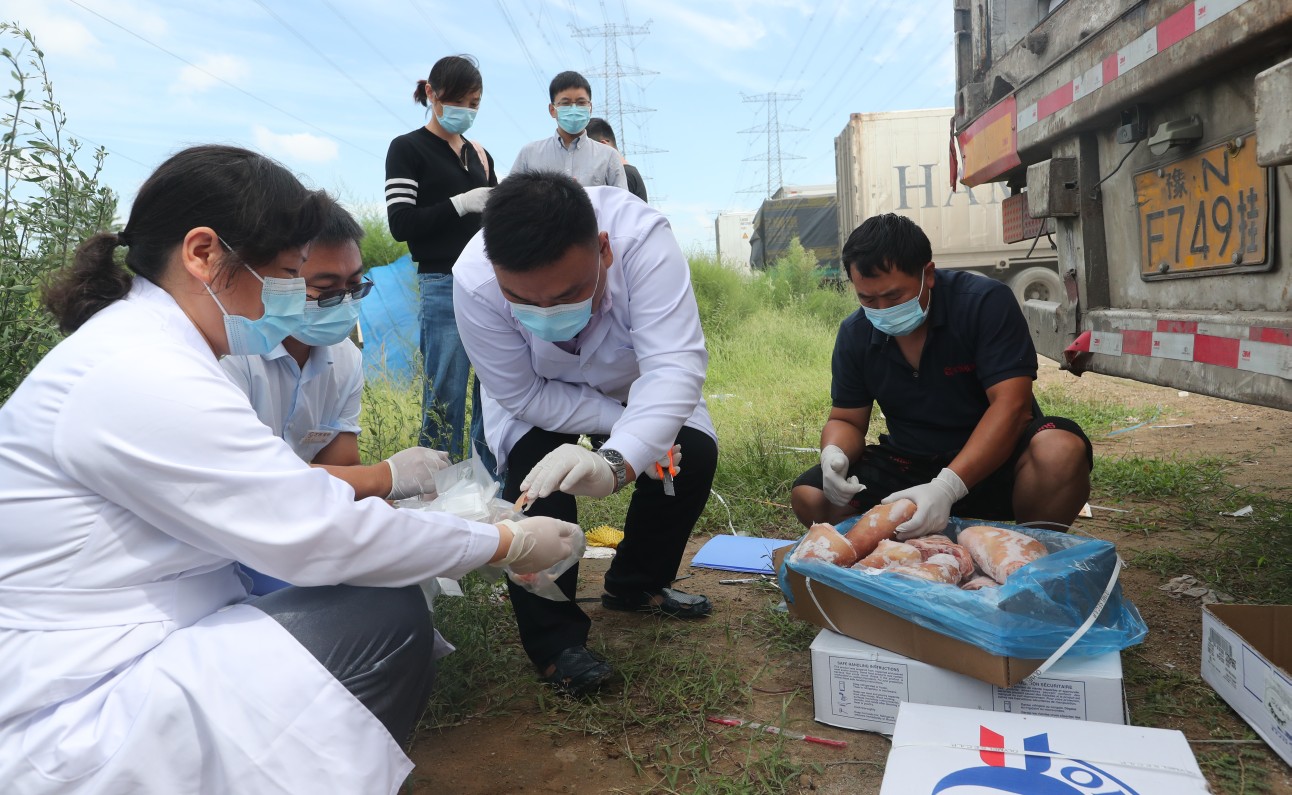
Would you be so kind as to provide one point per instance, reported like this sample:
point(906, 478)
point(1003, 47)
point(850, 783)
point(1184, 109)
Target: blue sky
point(323, 85)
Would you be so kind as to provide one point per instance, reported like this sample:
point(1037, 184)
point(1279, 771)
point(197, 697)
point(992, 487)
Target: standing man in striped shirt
point(436, 185)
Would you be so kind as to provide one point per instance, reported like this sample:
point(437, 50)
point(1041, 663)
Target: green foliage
point(1096, 416)
point(1157, 478)
point(51, 202)
point(378, 246)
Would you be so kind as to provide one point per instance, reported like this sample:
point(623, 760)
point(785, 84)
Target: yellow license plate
point(1208, 211)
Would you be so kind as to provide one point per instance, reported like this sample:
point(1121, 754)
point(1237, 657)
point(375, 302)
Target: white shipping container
point(900, 162)
point(733, 232)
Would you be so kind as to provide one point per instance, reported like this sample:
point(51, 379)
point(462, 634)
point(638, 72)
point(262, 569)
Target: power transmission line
point(380, 53)
point(216, 77)
point(520, 40)
point(329, 61)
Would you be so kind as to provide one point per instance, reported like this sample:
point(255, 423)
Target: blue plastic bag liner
point(1029, 617)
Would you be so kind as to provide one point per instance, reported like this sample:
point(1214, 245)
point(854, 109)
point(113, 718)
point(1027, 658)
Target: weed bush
point(51, 202)
point(378, 246)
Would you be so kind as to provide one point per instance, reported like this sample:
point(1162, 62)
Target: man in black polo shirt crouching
point(948, 357)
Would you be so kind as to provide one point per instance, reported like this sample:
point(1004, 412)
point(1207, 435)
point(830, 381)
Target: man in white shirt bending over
point(576, 310)
point(571, 152)
point(308, 390)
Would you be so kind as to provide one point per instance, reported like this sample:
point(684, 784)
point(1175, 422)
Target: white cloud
point(295, 146)
point(208, 73)
point(63, 36)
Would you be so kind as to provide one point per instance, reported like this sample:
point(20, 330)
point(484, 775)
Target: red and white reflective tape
point(1170, 31)
point(1258, 349)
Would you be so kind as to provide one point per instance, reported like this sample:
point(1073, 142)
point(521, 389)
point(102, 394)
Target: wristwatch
point(616, 461)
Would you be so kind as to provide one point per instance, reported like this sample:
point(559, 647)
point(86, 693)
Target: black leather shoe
point(578, 672)
point(675, 603)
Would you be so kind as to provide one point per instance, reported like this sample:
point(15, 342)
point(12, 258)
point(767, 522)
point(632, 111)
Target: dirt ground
point(515, 753)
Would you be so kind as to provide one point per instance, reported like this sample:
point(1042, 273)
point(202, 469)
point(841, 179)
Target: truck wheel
point(1038, 284)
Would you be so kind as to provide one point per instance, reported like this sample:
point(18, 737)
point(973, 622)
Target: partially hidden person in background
point(600, 130)
point(309, 388)
point(949, 358)
point(436, 185)
point(572, 151)
point(576, 307)
point(133, 473)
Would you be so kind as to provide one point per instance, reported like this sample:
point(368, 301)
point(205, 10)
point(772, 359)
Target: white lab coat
point(132, 474)
point(639, 372)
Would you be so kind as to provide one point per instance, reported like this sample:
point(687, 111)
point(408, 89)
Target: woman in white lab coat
point(133, 473)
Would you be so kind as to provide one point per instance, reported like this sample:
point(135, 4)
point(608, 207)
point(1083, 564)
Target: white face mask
point(559, 323)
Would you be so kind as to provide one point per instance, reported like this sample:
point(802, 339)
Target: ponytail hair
point(256, 206)
point(93, 280)
point(451, 79)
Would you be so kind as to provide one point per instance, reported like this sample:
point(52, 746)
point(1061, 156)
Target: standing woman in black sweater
point(436, 185)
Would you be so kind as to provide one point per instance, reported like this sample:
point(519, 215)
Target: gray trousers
point(375, 641)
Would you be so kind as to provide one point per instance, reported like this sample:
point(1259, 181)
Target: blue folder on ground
point(738, 553)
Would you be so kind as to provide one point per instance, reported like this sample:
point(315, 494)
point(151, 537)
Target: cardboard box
point(1246, 657)
point(859, 686)
point(945, 749)
point(857, 619)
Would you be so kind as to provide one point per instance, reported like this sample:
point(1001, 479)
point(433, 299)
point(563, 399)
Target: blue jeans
point(444, 388)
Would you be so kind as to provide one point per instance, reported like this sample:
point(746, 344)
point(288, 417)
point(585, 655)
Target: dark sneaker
point(578, 672)
point(665, 602)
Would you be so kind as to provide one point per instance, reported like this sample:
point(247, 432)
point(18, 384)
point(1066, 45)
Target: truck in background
point(733, 231)
point(899, 162)
point(1156, 137)
point(805, 212)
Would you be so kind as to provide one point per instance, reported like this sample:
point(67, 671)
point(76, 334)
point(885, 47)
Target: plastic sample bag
point(466, 490)
point(1030, 616)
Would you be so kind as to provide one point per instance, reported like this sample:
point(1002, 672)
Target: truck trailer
point(1155, 139)
point(899, 162)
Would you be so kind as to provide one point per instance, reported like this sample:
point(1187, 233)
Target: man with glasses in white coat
point(571, 152)
point(308, 389)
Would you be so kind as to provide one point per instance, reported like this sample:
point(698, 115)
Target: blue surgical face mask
point(572, 118)
point(558, 323)
point(284, 302)
point(456, 120)
point(328, 325)
point(900, 320)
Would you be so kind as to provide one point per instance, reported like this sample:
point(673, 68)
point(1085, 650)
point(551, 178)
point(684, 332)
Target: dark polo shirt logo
point(958, 369)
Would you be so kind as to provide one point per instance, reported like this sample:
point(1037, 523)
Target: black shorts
point(884, 469)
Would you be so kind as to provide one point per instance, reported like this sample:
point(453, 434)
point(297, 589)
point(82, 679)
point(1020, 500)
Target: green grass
point(1151, 479)
point(1096, 417)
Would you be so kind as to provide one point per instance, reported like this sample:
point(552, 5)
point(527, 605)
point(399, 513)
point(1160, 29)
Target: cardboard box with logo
point(945, 749)
point(859, 686)
point(1246, 657)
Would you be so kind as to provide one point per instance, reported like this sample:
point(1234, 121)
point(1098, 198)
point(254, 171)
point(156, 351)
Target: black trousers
point(375, 641)
point(656, 530)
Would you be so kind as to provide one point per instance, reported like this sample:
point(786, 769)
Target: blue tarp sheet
point(388, 317)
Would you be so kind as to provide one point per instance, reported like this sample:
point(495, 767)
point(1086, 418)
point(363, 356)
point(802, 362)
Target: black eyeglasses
point(332, 299)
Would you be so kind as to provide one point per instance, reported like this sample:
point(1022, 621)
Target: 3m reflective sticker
point(1265, 357)
point(1172, 346)
point(1108, 343)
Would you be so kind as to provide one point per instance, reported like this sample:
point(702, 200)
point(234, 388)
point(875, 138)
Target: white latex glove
point(473, 201)
point(834, 466)
point(538, 543)
point(412, 471)
point(571, 469)
point(933, 502)
point(656, 474)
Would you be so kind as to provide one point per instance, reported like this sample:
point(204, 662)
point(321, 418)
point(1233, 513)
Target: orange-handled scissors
point(666, 476)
